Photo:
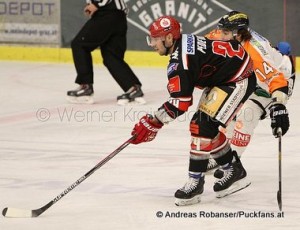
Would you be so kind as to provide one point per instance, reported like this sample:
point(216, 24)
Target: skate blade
point(81, 100)
point(183, 202)
point(235, 187)
point(137, 101)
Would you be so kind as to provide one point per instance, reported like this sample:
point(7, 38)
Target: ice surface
point(46, 144)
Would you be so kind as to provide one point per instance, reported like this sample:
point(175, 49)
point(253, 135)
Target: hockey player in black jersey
point(106, 29)
point(223, 70)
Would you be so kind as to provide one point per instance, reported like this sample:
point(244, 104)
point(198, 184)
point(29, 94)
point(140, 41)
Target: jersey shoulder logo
point(171, 68)
point(188, 44)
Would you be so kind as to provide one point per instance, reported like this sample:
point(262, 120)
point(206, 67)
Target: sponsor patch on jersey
point(174, 84)
point(213, 101)
point(240, 139)
point(188, 44)
point(259, 46)
point(172, 67)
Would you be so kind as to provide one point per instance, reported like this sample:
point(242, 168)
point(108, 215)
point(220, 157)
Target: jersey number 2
point(225, 49)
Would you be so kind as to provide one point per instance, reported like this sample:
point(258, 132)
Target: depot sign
point(30, 21)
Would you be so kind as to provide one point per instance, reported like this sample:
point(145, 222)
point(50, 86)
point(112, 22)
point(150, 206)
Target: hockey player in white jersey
point(274, 72)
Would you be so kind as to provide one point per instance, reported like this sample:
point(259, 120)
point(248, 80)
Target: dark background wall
point(277, 20)
point(292, 24)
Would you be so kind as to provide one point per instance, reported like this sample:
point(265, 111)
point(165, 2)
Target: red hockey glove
point(145, 130)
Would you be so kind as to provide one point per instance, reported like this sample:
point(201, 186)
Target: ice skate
point(219, 173)
point(212, 166)
point(233, 180)
point(190, 193)
point(133, 96)
point(84, 94)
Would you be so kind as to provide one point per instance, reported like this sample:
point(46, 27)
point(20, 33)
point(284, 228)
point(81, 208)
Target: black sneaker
point(190, 193)
point(233, 180)
point(133, 95)
point(83, 94)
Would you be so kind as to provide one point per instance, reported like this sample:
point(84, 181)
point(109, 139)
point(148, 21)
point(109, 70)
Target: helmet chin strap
point(234, 33)
point(167, 48)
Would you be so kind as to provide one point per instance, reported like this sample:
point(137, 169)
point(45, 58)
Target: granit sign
point(195, 16)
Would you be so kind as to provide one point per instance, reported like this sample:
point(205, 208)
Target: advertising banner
point(196, 16)
point(30, 21)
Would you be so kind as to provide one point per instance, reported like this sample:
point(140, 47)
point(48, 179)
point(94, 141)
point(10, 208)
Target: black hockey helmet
point(234, 20)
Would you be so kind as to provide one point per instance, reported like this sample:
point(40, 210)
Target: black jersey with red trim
point(197, 62)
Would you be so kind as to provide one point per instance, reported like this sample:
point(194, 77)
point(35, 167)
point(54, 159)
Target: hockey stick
point(23, 213)
point(279, 193)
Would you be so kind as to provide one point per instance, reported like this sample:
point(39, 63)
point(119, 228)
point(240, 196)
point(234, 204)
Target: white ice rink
point(46, 144)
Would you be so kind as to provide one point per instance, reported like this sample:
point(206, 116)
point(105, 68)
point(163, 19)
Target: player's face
point(226, 35)
point(157, 44)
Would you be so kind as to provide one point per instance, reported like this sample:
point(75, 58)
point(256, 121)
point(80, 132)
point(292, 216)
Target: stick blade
point(279, 200)
point(17, 213)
